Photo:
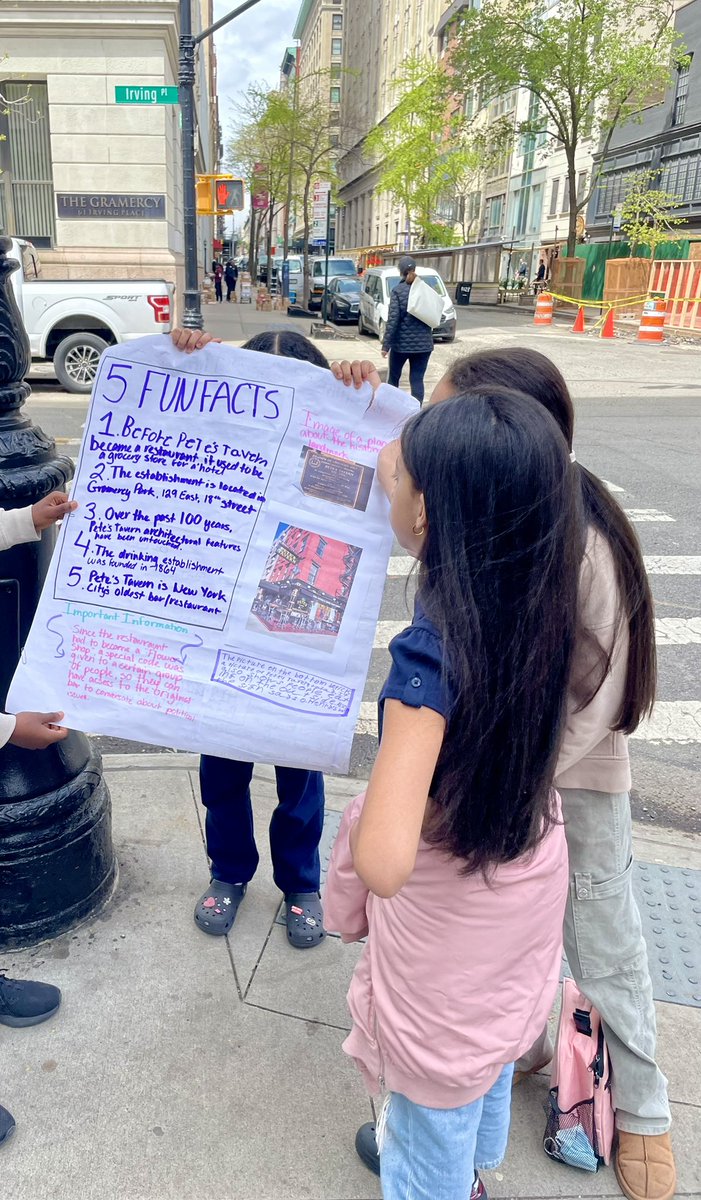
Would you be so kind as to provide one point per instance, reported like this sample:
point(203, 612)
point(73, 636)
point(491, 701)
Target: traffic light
point(218, 194)
point(228, 195)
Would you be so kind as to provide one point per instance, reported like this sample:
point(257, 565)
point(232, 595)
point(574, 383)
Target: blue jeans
point(295, 827)
point(433, 1153)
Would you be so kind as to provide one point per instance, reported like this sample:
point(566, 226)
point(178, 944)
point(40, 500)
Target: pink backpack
point(580, 1124)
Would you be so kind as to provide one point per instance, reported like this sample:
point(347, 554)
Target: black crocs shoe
point(366, 1146)
point(304, 918)
point(216, 909)
point(24, 1002)
point(7, 1125)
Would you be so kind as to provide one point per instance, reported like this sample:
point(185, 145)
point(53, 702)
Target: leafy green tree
point(426, 150)
point(648, 214)
point(591, 65)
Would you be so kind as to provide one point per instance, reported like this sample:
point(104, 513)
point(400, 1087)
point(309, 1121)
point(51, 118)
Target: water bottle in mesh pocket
point(580, 1124)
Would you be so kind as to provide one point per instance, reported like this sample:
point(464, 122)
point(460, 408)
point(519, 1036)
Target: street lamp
point(192, 309)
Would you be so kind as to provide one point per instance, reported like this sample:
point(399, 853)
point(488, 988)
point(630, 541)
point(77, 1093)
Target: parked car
point(343, 298)
point(317, 276)
point(378, 284)
point(71, 321)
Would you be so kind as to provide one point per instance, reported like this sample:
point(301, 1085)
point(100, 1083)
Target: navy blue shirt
point(416, 675)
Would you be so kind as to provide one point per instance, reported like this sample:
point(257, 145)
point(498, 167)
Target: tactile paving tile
point(669, 899)
point(670, 904)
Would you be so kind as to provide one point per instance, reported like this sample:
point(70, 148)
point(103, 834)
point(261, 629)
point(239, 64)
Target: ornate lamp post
point(57, 864)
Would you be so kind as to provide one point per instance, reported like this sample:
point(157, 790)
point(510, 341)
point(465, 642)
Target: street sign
point(228, 195)
point(145, 94)
point(617, 218)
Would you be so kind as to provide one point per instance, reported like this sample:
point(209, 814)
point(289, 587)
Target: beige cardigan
point(591, 755)
point(16, 525)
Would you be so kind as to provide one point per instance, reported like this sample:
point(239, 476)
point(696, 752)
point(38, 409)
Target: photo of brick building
point(305, 586)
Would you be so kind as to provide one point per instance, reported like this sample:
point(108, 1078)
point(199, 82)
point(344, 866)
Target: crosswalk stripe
point(678, 631)
point(647, 514)
point(673, 564)
point(655, 564)
point(671, 631)
point(677, 721)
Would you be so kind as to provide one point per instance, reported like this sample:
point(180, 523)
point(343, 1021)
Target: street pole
point(326, 255)
point(192, 308)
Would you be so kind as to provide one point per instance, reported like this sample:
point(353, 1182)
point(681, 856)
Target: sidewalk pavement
point(184, 1067)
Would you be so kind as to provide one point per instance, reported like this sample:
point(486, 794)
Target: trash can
point(463, 292)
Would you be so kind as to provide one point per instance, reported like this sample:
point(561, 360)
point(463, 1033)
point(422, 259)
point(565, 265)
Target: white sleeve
point(17, 525)
point(7, 727)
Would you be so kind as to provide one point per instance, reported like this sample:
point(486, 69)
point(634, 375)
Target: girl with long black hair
point(612, 689)
point(454, 862)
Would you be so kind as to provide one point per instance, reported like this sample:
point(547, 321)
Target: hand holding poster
point(218, 587)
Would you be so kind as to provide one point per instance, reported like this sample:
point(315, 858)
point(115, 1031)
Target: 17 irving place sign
point(111, 206)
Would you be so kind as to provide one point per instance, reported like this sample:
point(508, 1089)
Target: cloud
point(250, 50)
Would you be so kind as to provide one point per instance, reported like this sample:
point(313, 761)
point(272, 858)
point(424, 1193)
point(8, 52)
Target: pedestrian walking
point(454, 863)
point(218, 277)
point(297, 822)
point(406, 337)
point(613, 688)
point(231, 275)
point(25, 1002)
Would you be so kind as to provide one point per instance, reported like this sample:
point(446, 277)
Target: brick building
point(306, 582)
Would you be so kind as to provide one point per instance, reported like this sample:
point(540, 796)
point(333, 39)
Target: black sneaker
point(24, 1002)
point(7, 1125)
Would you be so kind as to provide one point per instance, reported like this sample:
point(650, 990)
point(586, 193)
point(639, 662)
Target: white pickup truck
point(71, 321)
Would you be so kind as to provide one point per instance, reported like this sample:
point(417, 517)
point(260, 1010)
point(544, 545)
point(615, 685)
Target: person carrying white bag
point(412, 316)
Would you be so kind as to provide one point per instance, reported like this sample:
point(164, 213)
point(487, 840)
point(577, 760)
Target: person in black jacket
point(405, 336)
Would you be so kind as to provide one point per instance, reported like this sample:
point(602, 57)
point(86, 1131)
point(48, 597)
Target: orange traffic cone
point(578, 326)
point(607, 330)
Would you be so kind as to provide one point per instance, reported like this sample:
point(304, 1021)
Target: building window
point(320, 548)
point(337, 47)
point(493, 216)
point(313, 572)
point(566, 195)
point(552, 211)
point(679, 110)
point(337, 21)
point(335, 95)
point(26, 185)
point(581, 185)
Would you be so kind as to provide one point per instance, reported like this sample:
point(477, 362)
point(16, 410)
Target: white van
point(378, 285)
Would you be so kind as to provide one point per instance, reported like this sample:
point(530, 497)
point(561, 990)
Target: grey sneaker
point(24, 1002)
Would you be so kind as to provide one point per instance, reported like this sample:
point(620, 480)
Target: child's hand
point(36, 731)
point(192, 339)
point(357, 373)
point(48, 511)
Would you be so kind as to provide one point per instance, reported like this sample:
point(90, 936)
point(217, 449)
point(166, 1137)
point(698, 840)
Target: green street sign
point(144, 93)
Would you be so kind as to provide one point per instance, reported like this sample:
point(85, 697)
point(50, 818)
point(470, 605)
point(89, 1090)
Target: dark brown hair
point(535, 374)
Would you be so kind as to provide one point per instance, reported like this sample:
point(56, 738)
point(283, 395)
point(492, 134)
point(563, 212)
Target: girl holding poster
point(454, 862)
point(297, 823)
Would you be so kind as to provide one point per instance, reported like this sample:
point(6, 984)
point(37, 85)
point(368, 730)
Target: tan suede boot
point(644, 1166)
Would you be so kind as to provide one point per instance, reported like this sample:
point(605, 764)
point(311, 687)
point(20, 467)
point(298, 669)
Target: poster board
point(218, 587)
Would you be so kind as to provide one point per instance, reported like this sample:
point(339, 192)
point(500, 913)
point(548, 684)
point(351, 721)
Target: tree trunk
point(573, 212)
point(252, 244)
point(271, 219)
point(305, 209)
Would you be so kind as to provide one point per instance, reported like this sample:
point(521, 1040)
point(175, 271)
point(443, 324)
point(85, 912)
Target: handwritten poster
point(218, 587)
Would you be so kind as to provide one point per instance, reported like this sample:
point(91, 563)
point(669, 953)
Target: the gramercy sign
point(110, 206)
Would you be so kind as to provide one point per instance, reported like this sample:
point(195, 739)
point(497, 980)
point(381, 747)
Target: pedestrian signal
point(228, 195)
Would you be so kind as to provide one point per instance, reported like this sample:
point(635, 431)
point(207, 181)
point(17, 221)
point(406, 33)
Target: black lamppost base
point(57, 864)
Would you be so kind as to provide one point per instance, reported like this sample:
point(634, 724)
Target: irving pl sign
point(110, 206)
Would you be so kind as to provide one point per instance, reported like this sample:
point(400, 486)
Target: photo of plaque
point(339, 480)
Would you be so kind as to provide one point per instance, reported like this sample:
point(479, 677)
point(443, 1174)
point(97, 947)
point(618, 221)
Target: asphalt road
point(638, 427)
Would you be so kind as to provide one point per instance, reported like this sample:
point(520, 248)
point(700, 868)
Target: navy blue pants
point(295, 827)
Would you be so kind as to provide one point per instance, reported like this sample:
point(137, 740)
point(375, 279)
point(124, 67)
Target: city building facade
point(93, 181)
point(320, 31)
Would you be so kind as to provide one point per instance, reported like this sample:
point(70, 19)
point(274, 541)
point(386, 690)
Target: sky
point(250, 49)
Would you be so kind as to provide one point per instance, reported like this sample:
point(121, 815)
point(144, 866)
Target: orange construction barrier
point(653, 318)
point(607, 329)
point(578, 326)
point(543, 309)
